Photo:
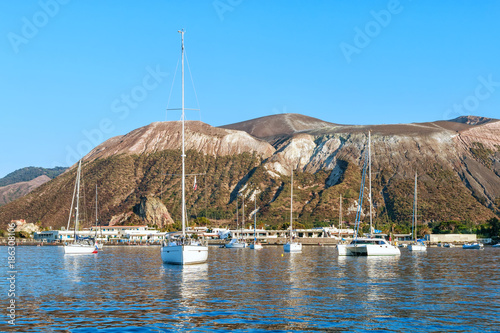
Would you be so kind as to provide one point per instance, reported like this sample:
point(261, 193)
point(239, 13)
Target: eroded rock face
point(153, 211)
point(199, 136)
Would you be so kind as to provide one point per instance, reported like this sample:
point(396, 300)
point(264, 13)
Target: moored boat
point(184, 248)
point(291, 245)
point(417, 245)
point(367, 246)
point(256, 245)
point(477, 246)
point(85, 245)
point(236, 244)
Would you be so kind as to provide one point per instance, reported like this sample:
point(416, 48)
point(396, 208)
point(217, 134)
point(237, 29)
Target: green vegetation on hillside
point(482, 154)
point(30, 173)
point(123, 179)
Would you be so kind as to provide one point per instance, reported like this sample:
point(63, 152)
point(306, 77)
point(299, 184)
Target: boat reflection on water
point(77, 266)
point(187, 280)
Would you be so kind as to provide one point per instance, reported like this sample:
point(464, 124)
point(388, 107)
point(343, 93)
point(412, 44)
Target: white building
point(140, 233)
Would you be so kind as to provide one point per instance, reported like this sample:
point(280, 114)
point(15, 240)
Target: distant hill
point(11, 192)
point(278, 125)
point(30, 173)
point(21, 182)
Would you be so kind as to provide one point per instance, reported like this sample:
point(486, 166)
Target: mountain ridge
point(460, 157)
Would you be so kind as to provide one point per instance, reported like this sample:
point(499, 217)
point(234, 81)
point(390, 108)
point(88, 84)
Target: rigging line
point(199, 110)
point(171, 88)
point(192, 82)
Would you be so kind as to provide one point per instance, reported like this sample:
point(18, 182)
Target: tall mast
point(340, 213)
point(237, 224)
point(370, 177)
point(183, 149)
point(96, 211)
point(255, 220)
point(415, 208)
point(291, 208)
point(243, 221)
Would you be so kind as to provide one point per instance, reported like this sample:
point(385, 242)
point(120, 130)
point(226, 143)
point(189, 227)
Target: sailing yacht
point(256, 245)
point(80, 245)
point(416, 245)
point(184, 248)
point(367, 246)
point(292, 245)
point(236, 243)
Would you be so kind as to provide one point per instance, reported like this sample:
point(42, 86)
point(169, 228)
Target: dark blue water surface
point(128, 289)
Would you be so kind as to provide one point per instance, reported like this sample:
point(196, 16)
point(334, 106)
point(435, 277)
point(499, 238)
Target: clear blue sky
point(67, 67)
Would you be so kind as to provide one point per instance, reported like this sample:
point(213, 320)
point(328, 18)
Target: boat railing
point(188, 239)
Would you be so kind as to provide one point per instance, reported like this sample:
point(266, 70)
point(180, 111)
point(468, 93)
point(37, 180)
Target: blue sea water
point(129, 289)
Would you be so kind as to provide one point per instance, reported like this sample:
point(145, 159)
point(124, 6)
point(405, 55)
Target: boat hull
point(236, 245)
point(417, 248)
point(184, 254)
point(473, 246)
point(292, 247)
point(367, 250)
point(255, 246)
point(79, 249)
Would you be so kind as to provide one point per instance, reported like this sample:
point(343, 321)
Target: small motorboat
point(477, 246)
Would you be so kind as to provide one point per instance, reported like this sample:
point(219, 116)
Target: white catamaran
point(416, 245)
point(292, 245)
point(184, 248)
point(80, 245)
point(367, 246)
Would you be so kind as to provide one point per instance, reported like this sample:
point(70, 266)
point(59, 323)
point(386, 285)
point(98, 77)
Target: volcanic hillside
point(457, 162)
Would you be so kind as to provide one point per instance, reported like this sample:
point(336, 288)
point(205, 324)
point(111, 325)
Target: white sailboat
point(80, 245)
point(256, 245)
point(183, 248)
point(416, 245)
point(235, 242)
point(367, 246)
point(292, 245)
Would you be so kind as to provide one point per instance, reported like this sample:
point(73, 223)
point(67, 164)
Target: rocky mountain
point(457, 161)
